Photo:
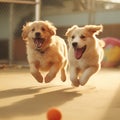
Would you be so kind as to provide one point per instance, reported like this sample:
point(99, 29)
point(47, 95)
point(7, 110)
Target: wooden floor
point(23, 98)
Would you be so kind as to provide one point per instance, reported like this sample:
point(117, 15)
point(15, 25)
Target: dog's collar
point(41, 50)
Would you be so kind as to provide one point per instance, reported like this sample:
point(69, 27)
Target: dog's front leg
point(52, 72)
point(87, 74)
point(34, 69)
point(73, 76)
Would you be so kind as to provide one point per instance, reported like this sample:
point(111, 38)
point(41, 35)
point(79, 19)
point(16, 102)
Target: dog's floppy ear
point(52, 29)
point(69, 30)
point(94, 29)
point(25, 31)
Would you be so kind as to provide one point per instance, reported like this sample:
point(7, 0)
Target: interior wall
point(112, 30)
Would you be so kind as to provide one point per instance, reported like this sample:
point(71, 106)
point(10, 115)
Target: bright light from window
point(112, 1)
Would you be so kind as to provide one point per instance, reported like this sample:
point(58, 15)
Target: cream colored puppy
point(85, 52)
point(45, 51)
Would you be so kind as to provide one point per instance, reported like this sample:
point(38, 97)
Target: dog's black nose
point(74, 44)
point(37, 34)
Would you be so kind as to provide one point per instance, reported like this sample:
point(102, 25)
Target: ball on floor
point(54, 114)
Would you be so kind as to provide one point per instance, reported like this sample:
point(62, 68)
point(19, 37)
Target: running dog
point(45, 50)
point(85, 52)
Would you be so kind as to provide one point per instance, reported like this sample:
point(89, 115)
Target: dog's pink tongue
point(78, 53)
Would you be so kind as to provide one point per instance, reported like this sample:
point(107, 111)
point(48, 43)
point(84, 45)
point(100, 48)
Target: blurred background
point(63, 13)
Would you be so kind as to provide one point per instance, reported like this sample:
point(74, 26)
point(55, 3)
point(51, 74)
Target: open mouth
point(38, 41)
point(79, 52)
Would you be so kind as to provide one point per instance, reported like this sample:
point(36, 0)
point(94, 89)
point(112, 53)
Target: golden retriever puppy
point(45, 51)
point(85, 52)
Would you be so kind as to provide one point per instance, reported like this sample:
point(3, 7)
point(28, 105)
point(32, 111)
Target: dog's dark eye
point(82, 36)
point(33, 29)
point(73, 37)
point(43, 29)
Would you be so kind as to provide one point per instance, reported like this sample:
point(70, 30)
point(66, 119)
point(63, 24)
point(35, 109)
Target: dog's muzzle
point(74, 45)
point(78, 51)
point(38, 40)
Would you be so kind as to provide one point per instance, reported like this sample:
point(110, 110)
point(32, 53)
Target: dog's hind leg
point(64, 71)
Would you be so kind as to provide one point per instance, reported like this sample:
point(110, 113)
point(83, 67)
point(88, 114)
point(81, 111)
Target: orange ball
point(54, 114)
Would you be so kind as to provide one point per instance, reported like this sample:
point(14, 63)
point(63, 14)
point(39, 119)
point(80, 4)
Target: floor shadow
point(20, 91)
point(38, 103)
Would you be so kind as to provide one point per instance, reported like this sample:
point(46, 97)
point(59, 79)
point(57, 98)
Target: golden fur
point(45, 51)
point(85, 52)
